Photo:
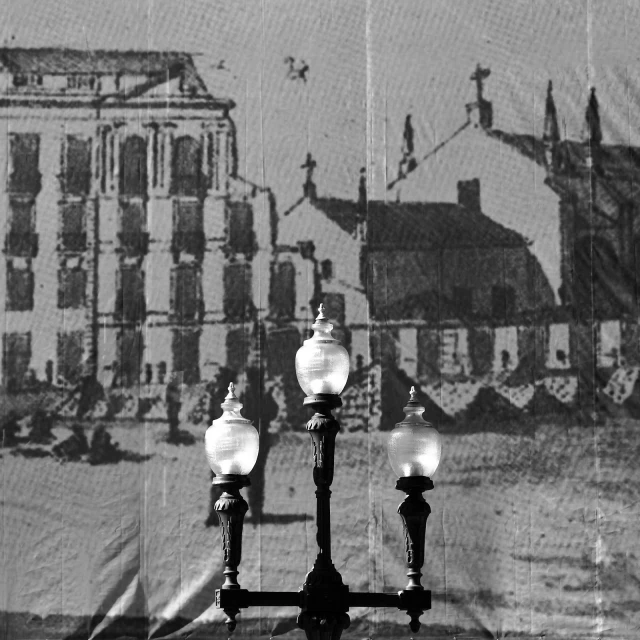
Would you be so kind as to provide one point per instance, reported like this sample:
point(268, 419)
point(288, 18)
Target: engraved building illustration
point(120, 170)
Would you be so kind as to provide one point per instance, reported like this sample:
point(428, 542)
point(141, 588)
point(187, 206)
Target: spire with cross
point(309, 187)
point(484, 107)
point(479, 75)
point(551, 130)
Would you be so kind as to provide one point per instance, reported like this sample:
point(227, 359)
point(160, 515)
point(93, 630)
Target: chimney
point(469, 194)
point(486, 114)
point(309, 190)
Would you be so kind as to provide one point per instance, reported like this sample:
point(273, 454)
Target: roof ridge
point(433, 151)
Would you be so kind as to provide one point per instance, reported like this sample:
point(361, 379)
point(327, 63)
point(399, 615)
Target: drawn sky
point(371, 63)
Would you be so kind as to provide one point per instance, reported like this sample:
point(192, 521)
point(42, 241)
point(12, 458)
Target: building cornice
point(54, 102)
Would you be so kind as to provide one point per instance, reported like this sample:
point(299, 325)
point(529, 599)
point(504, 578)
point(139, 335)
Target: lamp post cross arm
point(244, 599)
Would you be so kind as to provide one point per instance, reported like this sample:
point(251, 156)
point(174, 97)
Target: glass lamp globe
point(414, 445)
point(322, 363)
point(231, 442)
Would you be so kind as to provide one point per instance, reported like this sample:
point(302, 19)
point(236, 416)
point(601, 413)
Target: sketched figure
point(362, 187)
point(408, 136)
point(296, 72)
point(408, 162)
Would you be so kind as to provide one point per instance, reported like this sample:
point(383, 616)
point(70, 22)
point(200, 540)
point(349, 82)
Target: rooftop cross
point(478, 76)
point(310, 165)
point(309, 187)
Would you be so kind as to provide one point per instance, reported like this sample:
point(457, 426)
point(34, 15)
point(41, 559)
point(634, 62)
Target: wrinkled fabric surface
point(536, 509)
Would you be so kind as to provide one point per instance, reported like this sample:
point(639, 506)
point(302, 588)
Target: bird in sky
point(296, 70)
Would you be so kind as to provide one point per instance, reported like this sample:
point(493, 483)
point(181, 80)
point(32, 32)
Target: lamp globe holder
point(414, 446)
point(322, 363)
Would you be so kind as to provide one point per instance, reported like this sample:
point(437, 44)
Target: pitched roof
point(417, 225)
point(157, 65)
point(619, 165)
point(96, 61)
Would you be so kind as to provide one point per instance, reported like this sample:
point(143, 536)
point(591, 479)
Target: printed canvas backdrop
point(182, 185)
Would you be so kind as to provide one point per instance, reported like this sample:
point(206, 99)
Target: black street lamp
point(322, 367)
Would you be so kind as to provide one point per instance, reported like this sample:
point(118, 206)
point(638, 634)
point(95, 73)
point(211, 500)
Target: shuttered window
point(241, 235)
point(76, 166)
point(186, 293)
point(282, 295)
point(186, 175)
point(21, 239)
point(130, 350)
point(238, 306)
point(186, 354)
point(133, 167)
point(72, 288)
point(24, 157)
point(130, 300)
point(70, 353)
point(16, 348)
point(20, 285)
point(73, 231)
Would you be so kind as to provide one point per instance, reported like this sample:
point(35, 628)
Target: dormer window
point(27, 80)
point(81, 82)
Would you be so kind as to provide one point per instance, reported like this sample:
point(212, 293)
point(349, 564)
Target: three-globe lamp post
point(414, 447)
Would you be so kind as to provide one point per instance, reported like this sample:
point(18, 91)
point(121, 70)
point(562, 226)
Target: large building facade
point(131, 247)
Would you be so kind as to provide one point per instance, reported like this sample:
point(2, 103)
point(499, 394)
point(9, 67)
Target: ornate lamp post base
point(323, 626)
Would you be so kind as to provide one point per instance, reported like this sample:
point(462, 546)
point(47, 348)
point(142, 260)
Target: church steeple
point(592, 117)
point(551, 131)
point(483, 108)
point(309, 186)
point(594, 131)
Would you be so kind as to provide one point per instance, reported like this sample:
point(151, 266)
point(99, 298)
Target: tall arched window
point(133, 167)
point(186, 175)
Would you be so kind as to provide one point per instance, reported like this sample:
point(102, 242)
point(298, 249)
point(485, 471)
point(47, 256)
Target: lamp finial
point(231, 402)
point(321, 315)
point(414, 406)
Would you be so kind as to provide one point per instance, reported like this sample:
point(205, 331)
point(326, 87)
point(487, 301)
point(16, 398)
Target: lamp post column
point(324, 596)
point(231, 508)
point(322, 367)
